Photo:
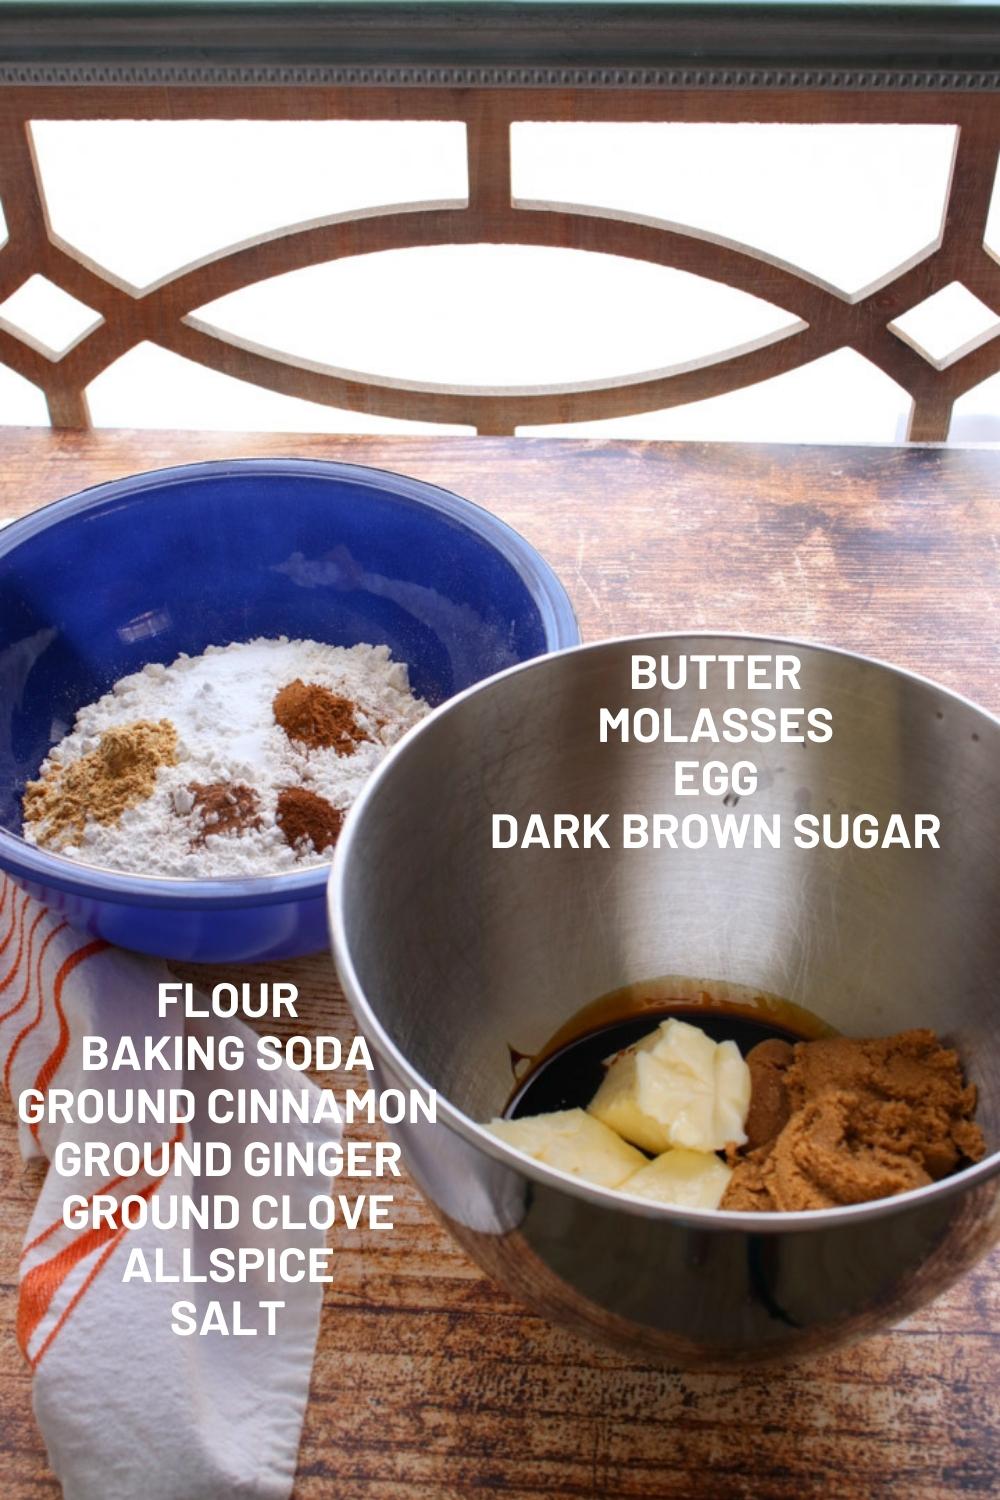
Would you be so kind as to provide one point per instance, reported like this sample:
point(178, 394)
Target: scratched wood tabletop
point(429, 1381)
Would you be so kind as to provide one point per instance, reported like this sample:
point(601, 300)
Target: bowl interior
point(143, 569)
point(500, 948)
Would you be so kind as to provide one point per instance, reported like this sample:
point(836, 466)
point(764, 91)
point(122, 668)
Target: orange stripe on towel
point(13, 1009)
point(40, 1239)
point(92, 1276)
point(27, 1030)
point(106, 1187)
point(40, 1285)
point(52, 1063)
point(9, 977)
point(8, 892)
point(50, 1067)
point(10, 930)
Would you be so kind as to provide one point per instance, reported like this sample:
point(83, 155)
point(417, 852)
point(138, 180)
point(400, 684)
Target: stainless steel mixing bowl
point(452, 953)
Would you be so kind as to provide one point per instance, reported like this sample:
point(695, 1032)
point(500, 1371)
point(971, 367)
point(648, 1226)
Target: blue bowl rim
point(559, 623)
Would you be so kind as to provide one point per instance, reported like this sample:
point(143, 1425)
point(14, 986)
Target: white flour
point(221, 706)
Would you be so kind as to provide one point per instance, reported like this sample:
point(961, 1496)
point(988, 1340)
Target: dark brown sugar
point(841, 1121)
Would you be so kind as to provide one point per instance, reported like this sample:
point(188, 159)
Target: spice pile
point(241, 761)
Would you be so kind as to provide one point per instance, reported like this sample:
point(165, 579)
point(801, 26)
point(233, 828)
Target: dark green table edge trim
point(646, 43)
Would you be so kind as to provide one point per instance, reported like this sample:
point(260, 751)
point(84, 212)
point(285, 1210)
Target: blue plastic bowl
point(97, 585)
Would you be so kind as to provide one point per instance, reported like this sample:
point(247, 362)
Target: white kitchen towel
point(129, 1409)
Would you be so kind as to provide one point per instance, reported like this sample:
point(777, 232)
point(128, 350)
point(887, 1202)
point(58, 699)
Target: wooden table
point(429, 1382)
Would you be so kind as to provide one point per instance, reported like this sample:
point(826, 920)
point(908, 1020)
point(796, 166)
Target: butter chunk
point(676, 1088)
point(732, 1095)
point(689, 1179)
point(647, 1104)
point(573, 1141)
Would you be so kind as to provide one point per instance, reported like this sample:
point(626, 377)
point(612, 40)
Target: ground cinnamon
point(306, 816)
point(225, 807)
point(119, 773)
point(314, 716)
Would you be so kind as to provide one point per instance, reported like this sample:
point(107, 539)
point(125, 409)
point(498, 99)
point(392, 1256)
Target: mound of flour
point(220, 703)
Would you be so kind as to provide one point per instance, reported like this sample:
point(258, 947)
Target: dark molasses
point(568, 1071)
point(570, 1077)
